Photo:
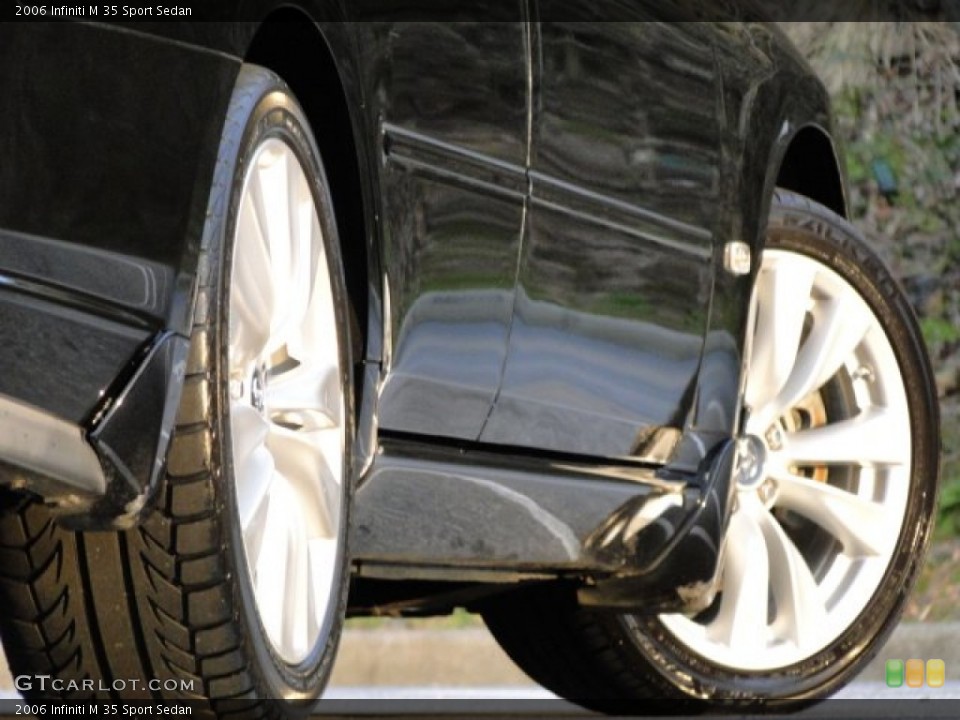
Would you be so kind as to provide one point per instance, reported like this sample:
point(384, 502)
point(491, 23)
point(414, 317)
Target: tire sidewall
point(271, 112)
point(798, 225)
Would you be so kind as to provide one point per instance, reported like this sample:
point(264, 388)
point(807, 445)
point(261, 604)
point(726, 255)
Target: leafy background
point(896, 98)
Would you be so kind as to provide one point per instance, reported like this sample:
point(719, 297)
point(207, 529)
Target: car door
point(450, 103)
point(617, 265)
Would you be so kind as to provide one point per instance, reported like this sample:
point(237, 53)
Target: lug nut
point(767, 490)
point(774, 438)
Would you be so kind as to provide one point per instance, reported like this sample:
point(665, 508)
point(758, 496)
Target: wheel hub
point(752, 456)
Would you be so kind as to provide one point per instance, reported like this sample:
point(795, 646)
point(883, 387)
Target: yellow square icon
point(914, 673)
point(936, 673)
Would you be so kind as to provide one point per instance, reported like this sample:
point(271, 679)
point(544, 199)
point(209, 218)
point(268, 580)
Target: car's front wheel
point(835, 503)
point(234, 586)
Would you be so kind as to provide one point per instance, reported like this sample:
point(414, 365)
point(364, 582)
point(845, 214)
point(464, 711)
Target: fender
point(767, 104)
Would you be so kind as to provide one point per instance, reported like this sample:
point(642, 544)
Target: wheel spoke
point(282, 192)
point(249, 430)
point(295, 617)
point(252, 293)
point(303, 220)
point(742, 619)
point(270, 194)
point(290, 324)
point(840, 324)
point(254, 480)
point(782, 292)
point(800, 609)
point(874, 437)
point(306, 397)
point(271, 564)
point(254, 532)
point(317, 342)
point(323, 558)
point(862, 527)
point(300, 459)
point(253, 463)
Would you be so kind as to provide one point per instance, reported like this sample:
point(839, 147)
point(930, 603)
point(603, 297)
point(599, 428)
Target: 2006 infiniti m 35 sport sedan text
point(345, 311)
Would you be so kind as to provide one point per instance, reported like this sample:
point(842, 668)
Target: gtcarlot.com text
point(46, 683)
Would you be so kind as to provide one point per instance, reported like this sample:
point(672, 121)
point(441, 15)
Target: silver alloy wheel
point(808, 466)
point(286, 402)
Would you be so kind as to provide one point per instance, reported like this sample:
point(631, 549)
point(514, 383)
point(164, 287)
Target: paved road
point(860, 701)
point(423, 674)
point(856, 691)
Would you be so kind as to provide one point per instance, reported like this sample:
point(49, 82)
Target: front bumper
point(101, 471)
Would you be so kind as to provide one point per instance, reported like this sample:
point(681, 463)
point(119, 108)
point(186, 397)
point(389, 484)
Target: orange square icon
point(914, 673)
point(936, 673)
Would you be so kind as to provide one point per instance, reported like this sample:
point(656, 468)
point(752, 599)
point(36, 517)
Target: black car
point(346, 311)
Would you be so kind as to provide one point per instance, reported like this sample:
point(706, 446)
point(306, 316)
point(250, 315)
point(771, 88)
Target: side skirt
point(634, 536)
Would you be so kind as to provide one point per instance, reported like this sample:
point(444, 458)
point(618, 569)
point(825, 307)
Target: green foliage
point(938, 332)
point(949, 520)
point(457, 620)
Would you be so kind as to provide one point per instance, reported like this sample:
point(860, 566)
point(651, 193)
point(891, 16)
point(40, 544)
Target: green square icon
point(894, 673)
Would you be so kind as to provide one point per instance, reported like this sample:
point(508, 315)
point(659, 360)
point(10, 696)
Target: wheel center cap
point(257, 384)
point(752, 454)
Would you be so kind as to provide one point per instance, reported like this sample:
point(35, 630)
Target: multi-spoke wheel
point(823, 478)
point(836, 486)
point(286, 401)
point(284, 396)
point(234, 586)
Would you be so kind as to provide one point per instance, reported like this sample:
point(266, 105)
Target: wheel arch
point(788, 142)
point(810, 166)
point(784, 136)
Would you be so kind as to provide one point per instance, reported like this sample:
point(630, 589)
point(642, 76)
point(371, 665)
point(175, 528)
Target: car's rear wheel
point(836, 496)
point(234, 585)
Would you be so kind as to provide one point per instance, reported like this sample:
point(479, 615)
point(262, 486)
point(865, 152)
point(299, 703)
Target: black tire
point(607, 661)
point(171, 599)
